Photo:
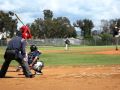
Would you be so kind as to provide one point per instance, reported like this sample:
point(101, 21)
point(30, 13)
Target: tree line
point(51, 27)
point(59, 27)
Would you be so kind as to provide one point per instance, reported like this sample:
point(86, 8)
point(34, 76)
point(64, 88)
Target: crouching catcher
point(33, 57)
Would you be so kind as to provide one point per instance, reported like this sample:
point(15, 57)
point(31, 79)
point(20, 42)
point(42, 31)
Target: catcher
point(33, 57)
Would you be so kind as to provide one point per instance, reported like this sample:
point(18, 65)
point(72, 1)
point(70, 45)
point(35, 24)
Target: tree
point(86, 26)
point(48, 14)
point(105, 26)
point(37, 28)
point(7, 24)
point(50, 27)
point(64, 27)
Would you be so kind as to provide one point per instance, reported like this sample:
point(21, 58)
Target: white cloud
point(28, 10)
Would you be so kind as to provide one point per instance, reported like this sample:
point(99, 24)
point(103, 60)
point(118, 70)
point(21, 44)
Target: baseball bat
point(12, 14)
point(19, 19)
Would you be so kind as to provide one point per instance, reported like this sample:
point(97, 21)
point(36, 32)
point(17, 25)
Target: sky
point(95, 10)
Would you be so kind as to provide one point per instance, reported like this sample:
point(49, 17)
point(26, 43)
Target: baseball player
point(116, 32)
point(116, 35)
point(16, 51)
point(67, 43)
point(33, 57)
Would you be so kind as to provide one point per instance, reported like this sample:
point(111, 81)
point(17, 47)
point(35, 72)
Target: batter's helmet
point(25, 32)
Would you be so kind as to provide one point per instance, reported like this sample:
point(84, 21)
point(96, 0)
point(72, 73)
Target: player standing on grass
point(67, 43)
point(116, 35)
point(16, 50)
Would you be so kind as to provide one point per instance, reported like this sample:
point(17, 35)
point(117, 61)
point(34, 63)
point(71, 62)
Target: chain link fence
point(61, 42)
point(3, 42)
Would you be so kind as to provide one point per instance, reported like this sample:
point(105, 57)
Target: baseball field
point(79, 68)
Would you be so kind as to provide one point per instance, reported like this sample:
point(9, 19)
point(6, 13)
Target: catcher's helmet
point(33, 48)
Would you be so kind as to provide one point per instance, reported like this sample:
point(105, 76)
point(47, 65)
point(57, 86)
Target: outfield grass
point(73, 56)
point(67, 59)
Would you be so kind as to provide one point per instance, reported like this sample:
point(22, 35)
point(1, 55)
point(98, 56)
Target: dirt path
point(106, 52)
point(65, 78)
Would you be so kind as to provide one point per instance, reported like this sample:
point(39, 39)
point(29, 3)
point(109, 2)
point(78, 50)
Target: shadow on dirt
point(12, 77)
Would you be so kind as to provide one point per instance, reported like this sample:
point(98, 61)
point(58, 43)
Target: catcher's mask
point(33, 48)
point(25, 32)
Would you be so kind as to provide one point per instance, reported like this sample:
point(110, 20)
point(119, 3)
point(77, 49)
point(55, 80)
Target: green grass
point(68, 59)
point(73, 56)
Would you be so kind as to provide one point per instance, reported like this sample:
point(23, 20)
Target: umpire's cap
point(18, 33)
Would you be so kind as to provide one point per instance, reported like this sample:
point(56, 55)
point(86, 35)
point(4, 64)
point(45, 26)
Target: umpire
point(16, 51)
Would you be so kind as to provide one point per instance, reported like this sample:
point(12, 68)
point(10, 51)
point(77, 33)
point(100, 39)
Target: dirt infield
point(65, 78)
point(107, 52)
